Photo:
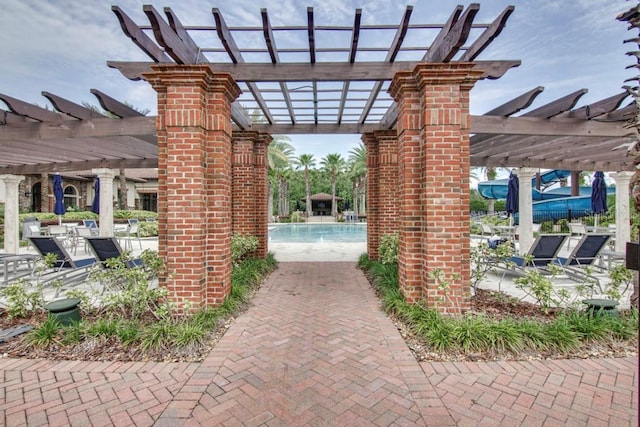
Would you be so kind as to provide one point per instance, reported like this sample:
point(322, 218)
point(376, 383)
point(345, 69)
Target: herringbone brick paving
point(315, 349)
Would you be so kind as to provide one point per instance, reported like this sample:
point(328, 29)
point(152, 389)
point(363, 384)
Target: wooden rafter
point(489, 34)
point(29, 110)
point(355, 38)
point(269, 39)
point(184, 36)
point(70, 108)
point(445, 48)
point(114, 106)
point(224, 34)
point(391, 56)
point(139, 38)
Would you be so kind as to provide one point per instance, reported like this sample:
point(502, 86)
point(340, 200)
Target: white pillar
point(525, 208)
point(11, 213)
point(106, 199)
point(623, 220)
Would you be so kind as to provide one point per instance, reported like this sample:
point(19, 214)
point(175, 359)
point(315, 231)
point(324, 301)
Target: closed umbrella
point(58, 194)
point(513, 187)
point(95, 205)
point(598, 195)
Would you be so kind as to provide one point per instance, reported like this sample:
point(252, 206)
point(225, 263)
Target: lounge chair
point(64, 267)
point(106, 248)
point(576, 230)
point(543, 251)
point(132, 231)
point(584, 255)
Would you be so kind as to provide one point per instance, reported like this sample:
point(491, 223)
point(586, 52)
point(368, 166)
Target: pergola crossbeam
point(139, 38)
point(447, 47)
point(114, 106)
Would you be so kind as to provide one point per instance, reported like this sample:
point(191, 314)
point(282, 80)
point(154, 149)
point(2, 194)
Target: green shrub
point(296, 216)
point(242, 246)
point(389, 248)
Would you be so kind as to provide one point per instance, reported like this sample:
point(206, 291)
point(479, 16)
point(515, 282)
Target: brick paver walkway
point(315, 349)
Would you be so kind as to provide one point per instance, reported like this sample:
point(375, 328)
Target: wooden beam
point(516, 104)
point(80, 165)
point(390, 118)
point(487, 36)
point(269, 39)
point(133, 126)
point(139, 38)
point(7, 118)
point(71, 108)
point(240, 116)
point(179, 29)
point(550, 127)
point(390, 58)
point(598, 108)
point(446, 28)
point(114, 106)
point(311, 35)
point(224, 34)
point(451, 43)
point(355, 38)
point(168, 39)
point(29, 110)
point(625, 113)
point(321, 71)
point(558, 106)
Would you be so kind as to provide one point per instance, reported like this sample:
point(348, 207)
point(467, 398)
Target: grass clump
point(481, 336)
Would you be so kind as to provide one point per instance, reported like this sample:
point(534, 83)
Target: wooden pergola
point(304, 79)
point(307, 94)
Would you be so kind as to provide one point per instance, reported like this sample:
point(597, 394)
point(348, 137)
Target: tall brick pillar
point(261, 192)
point(194, 180)
point(250, 185)
point(387, 181)
point(434, 163)
point(373, 196)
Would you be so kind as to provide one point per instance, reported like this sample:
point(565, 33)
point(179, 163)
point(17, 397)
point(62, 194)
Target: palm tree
point(279, 157)
point(334, 164)
point(306, 161)
point(358, 175)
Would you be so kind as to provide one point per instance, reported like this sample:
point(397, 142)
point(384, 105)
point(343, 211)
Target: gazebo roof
point(298, 91)
point(322, 197)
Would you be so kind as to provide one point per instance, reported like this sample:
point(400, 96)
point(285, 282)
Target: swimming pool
point(318, 233)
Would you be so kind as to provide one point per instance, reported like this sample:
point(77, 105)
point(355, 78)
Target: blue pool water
point(318, 233)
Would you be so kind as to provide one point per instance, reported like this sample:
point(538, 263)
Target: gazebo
point(321, 203)
point(413, 115)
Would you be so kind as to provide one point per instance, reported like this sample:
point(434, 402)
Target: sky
point(62, 46)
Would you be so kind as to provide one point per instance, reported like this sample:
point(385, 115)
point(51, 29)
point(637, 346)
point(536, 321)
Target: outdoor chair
point(106, 248)
point(64, 268)
point(576, 231)
point(92, 225)
point(584, 255)
point(132, 231)
point(80, 233)
point(543, 251)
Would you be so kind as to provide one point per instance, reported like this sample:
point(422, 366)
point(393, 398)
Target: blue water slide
point(497, 189)
point(557, 201)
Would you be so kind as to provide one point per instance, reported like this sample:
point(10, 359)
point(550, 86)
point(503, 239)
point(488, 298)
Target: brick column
point(261, 192)
point(387, 181)
point(250, 187)
point(373, 196)
point(410, 177)
point(194, 180)
point(433, 158)
point(243, 200)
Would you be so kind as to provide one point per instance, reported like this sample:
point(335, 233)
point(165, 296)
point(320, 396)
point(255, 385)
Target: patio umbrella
point(95, 205)
point(512, 194)
point(598, 196)
point(58, 194)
